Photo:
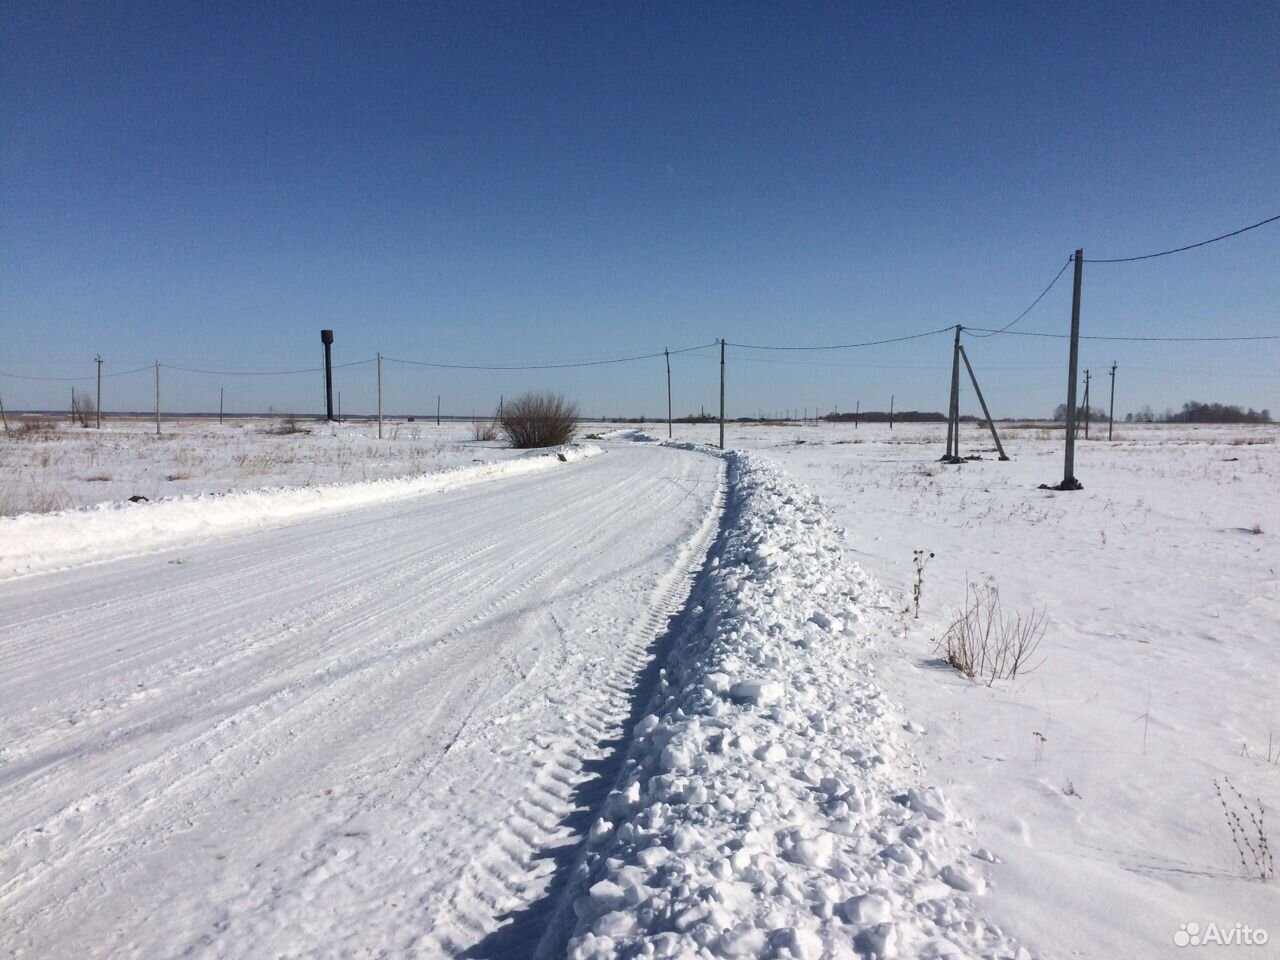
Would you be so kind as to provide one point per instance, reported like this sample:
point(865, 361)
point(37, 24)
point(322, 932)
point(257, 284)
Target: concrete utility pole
point(1069, 481)
point(379, 395)
point(98, 360)
point(157, 398)
point(326, 337)
point(220, 406)
point(722, 394)
point(1111, 414)
point(953, 407)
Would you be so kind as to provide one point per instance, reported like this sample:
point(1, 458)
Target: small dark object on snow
point(562, 458)
point(138, 498)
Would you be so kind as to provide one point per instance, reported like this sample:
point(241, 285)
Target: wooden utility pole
point(668, 355)
point(1111, 414)
point(379, 395)
point(98, 360)
point(1069, 481)
point(722, 393)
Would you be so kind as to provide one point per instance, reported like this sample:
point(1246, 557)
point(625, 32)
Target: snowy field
point(325, 695)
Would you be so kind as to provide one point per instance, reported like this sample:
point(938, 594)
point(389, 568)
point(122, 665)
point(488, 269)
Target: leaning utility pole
point(98, 360)
point(1069, 481)
point(722, 393)
point(982, 401)
point(1111, 414)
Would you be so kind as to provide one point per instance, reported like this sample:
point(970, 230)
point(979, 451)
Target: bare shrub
point(538, 420)
point(484, 430)
point(82, 407)
point(1248, 833)
point(984, 644)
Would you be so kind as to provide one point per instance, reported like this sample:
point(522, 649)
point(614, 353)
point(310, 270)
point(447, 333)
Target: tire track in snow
point(505, 877)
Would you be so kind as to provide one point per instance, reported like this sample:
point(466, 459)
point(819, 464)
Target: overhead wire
point(1043, 294)
point(548, 366)
point(1190, 246)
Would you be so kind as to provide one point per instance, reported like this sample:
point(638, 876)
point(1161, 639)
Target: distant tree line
point(1195, 412)
point(1095, 414)
point(899, 416)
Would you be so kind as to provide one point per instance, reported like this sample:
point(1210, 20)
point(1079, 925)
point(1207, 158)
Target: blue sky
point(211, 184)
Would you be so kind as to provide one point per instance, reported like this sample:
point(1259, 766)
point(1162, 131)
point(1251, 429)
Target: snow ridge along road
point(772, 804)
point(364, 734)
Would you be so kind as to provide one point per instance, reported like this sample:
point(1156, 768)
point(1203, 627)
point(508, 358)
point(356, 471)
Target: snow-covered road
point(359, 734)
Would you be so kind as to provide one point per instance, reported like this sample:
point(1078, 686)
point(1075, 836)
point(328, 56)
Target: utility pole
point(1086, 404)
point(98, 360)
point(1111, 414)
point(438, 409)
point(379, 395)
point(721, 393)
point(891, 411)
point(953, 407)
point(220, 389)
point(1069, 481)
point(668, 356)
point(857, 409)
point(157, 398)
point(339, 406)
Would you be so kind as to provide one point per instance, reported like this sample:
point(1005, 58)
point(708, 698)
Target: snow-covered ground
point(449, 714)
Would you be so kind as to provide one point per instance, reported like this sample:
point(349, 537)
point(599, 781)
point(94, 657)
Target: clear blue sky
point(209, 184)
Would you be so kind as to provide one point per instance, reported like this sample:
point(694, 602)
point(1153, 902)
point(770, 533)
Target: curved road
point(368, 734)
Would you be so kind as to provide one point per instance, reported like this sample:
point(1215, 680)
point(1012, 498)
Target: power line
point(261, 373)
point(1190, 246)
point(1043, 293)
point(1067, 336)
point(547, 366)
point(118, 373)
point(845, 346)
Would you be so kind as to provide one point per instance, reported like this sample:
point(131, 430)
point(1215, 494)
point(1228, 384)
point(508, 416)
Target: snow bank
point(771, 805)
point(34, 543)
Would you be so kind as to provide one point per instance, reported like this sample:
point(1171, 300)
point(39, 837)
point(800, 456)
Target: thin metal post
point(985, 412)
point(379, 396)
point(1069, 481)
point(1111, 414)
point(668, 355)
point(157, 398)
point(98, 360)
point(722, 394)
point(1086, 404)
